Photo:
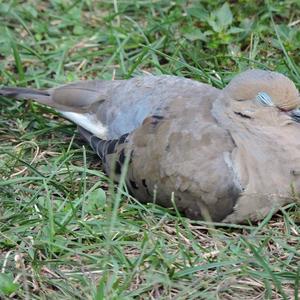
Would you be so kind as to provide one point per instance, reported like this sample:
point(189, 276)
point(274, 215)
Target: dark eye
point(264, 99)
point(295, 114)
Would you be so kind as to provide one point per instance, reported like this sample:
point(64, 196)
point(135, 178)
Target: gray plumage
point(228, 154)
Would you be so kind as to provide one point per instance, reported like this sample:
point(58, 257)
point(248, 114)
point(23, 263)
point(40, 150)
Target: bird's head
point(261, 111)
point(268, 97)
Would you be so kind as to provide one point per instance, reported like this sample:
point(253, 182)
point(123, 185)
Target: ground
point(66, 232)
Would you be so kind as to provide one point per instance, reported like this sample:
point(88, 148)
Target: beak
point(295, 114)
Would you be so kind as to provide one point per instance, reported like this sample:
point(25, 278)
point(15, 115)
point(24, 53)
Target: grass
point(66, 231)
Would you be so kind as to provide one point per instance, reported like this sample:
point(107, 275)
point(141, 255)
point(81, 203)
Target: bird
point(228, 155)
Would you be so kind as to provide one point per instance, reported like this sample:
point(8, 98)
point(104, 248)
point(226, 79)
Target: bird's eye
point(264, 99)
point(295, 114)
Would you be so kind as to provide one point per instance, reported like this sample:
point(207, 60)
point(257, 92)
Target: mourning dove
point(230, 155)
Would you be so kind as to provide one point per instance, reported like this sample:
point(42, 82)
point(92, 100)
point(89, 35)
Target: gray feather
point(221, 153)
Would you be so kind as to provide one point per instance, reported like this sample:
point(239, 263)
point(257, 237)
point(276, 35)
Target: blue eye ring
point(264, 99)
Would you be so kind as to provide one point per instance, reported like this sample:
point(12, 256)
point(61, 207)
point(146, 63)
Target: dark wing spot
point(111, 146)
point(157, 117)
point(145, 186)
point(133, 184)
point(151, 122)
point(155, 120)
point(123, 138)
point(131, 156)
point(122, 157)
point(118, 168)
point(144, 183)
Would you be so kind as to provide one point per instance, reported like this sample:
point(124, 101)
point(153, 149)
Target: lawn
point(66, 232)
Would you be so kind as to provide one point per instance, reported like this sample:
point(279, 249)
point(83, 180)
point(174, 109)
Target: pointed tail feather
point(97, 144)
point(100, 146)
point(65, 103)
point(20, 92)
point(42, 96)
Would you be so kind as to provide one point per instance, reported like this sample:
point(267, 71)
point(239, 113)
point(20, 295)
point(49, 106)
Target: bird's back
point(175, 143)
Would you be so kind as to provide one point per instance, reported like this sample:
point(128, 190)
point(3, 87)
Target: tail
point(42, 96)
point(98, 145)
point(18, 92)
point(71, 101)
point(107, 150)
